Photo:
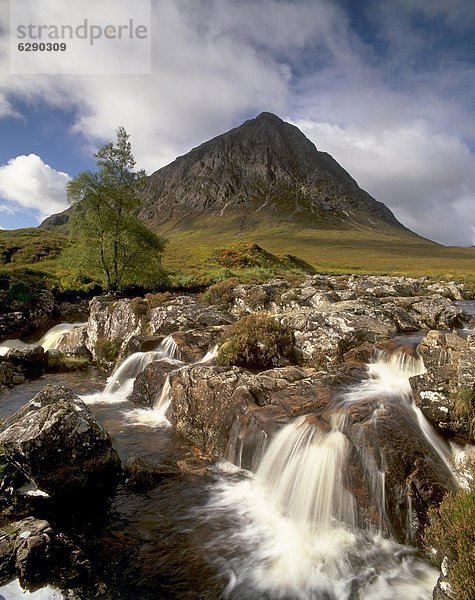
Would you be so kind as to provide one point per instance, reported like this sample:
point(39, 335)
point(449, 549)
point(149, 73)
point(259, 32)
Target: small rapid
point(49, 341)
point(296, 528)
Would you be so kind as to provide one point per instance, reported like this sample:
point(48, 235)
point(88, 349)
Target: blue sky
point(385, 86)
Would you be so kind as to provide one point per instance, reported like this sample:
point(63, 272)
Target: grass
point(213, 249)
point(192, 252)
point(452, 533)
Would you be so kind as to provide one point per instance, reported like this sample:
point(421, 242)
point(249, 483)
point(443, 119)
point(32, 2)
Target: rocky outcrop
point(446, 391)
point(32, 551)
point(230, 412)
point(14, 324)
point(149, 383)
point(30, 360)
point(56, 442)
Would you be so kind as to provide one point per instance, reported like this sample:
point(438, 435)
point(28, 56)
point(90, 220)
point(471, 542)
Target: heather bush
point(257, 341)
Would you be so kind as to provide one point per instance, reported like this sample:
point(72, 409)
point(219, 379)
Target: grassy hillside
point(389, 251)
point(210, 250)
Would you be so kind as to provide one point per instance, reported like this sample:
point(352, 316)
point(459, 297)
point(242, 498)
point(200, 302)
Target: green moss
point(67, 364)
point(464, 407)
point(452, 533)
point(107, 351)
point(257, 341)
point(139, 307)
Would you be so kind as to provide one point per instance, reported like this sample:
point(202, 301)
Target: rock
point(437, 312)
point(140, 475)
point(194, 344)
point(449, 379)
point(230, 412)
point(6, 374)
point(149, 383)
point(112, 321)
point(32, 360)
point(185, 313)
point(43, 556)
point(55, 441)
point(142, 343)
point(77, 337)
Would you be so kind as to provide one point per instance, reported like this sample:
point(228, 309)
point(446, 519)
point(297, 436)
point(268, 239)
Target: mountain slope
point(264, 169)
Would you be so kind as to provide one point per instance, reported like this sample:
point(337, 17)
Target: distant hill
point(264, 169)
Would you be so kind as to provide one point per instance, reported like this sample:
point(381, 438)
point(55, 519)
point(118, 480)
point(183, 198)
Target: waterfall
point(53, 336)
point(120, 384)
point(294, 529)
point(49, 341)
point(164, 400)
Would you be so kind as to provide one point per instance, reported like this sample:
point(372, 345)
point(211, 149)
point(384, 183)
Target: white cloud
point(397, 121)
point(26, 182)
point(426, 178)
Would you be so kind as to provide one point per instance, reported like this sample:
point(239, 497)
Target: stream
point(290, 531)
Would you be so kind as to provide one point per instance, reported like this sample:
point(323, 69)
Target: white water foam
point(13, 591)
point(49, 341)
point(291, 530)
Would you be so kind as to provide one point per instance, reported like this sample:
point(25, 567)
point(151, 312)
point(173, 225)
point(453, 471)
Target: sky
point(387, 87)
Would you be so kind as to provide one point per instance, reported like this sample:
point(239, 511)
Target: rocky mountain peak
point(267, 167)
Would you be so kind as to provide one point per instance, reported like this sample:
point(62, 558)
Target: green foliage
point(464, 407)
point(257, 341)
point(221, 293)
point(139, 307)
point(66, 364)
point(452, 533)
point(27, 246)
point(107, 236)
point(20, 288)
point(107, 351)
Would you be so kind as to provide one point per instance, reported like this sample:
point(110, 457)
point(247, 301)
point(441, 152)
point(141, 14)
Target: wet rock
point(32, 360)
point(445, 391)
point(43, 556)
point(75, 338)
point(194, 344)
point(141, 475)
point(149, 383)
point(142, 343)
point(55, 441)
point(230, 412)
point(6, 374)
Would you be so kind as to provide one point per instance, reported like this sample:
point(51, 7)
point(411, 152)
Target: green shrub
point(452, 533)
point(464, 407)
point(257, 341)
point(107, 351)
point(221, 294)
point(139, 307)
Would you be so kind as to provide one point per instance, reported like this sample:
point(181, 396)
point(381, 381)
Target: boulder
point(149, 383)
point(38, 555)
point(32, 360)
point(183, 313)
point(194, 344)
point(445, 392)
point(56, 442)
point(230, 412)
point(6, 374)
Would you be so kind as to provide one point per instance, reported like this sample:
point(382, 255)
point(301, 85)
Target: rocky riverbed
point(135, 482)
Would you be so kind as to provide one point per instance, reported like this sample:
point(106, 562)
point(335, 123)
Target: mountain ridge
point(265, 165)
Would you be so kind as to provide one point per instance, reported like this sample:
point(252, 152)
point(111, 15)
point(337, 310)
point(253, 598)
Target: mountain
point(264, 169)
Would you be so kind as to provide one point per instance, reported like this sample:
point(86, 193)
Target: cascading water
point(49, 341)
point(52, 337)
point(120, 384)
point(295, 530)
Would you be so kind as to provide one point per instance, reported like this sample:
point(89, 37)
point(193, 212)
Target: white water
point(13, 591)
point(293, 529)
point(49, 341)
point(120, 384)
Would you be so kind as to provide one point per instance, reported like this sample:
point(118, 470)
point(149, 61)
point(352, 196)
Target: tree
point(106, 233)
